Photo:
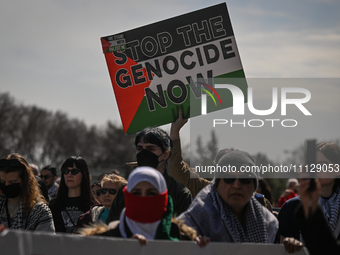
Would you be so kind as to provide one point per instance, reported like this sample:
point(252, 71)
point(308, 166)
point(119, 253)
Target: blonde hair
point(113, 178)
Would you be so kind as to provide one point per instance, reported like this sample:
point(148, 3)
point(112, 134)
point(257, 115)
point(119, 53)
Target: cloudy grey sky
point(51, 53)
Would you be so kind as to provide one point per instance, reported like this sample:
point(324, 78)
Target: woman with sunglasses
point(74, 196)
point(21, 204)
point(107, 193)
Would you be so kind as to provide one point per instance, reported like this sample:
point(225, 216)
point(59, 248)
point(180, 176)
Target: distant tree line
point(44, 138)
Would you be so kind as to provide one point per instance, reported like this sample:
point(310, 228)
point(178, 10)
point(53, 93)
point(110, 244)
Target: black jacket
point(316, 233)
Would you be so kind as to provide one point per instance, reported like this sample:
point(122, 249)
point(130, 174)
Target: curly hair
point(120, 181)
point(30, 191)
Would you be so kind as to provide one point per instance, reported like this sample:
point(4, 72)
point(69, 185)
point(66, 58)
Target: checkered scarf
point(36, 215)
point(331, 208)
point(253, 229)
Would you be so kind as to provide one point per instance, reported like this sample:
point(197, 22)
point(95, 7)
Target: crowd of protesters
point(161, 200)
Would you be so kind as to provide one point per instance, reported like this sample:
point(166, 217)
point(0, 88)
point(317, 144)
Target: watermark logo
point(239, 105)
point(204, 97)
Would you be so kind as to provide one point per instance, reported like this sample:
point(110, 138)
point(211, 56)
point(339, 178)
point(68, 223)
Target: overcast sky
point(51, 54)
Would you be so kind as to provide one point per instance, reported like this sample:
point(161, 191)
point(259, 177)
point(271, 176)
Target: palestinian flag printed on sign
point(160, 68)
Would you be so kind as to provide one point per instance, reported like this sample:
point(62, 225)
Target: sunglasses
point(11, 163)
point(73, 171)
point(45, 177)
point(242, 180)
point(103, 191)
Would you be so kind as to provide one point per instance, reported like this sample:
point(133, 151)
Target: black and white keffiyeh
point(331, 208)
point(254, 228)
point(16, 220)
point(38, 215)
point(209, 216)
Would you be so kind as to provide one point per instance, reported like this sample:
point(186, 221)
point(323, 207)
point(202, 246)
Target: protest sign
point(159, 68)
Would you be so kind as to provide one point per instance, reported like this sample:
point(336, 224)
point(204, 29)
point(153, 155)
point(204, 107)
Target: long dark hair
point(86, 194)
point(155, 136)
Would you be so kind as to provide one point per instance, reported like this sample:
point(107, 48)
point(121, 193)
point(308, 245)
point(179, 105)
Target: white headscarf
point(146, 174)
point(137, 176)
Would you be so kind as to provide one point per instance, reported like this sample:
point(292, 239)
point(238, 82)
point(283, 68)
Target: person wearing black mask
point(153, 149)
point(21, 204)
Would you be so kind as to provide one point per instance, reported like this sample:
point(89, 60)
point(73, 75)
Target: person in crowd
point(95, 188)
point(327, 155)
point(110, 185)
point(74, 195)
point(182, 172)
point(148, 211)
point(315, 230)
point(49, 175)
point(153, 148)
point(265, 190)
point(289, 193)
point(35, 169)
point(21, 204)
point(292, 183)
point(98, 213)
point(226, 210)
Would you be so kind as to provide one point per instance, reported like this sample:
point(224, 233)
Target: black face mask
point(12, 190)
point(147, 158)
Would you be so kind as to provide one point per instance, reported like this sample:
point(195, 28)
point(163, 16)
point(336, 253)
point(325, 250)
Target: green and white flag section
point(160, 68)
